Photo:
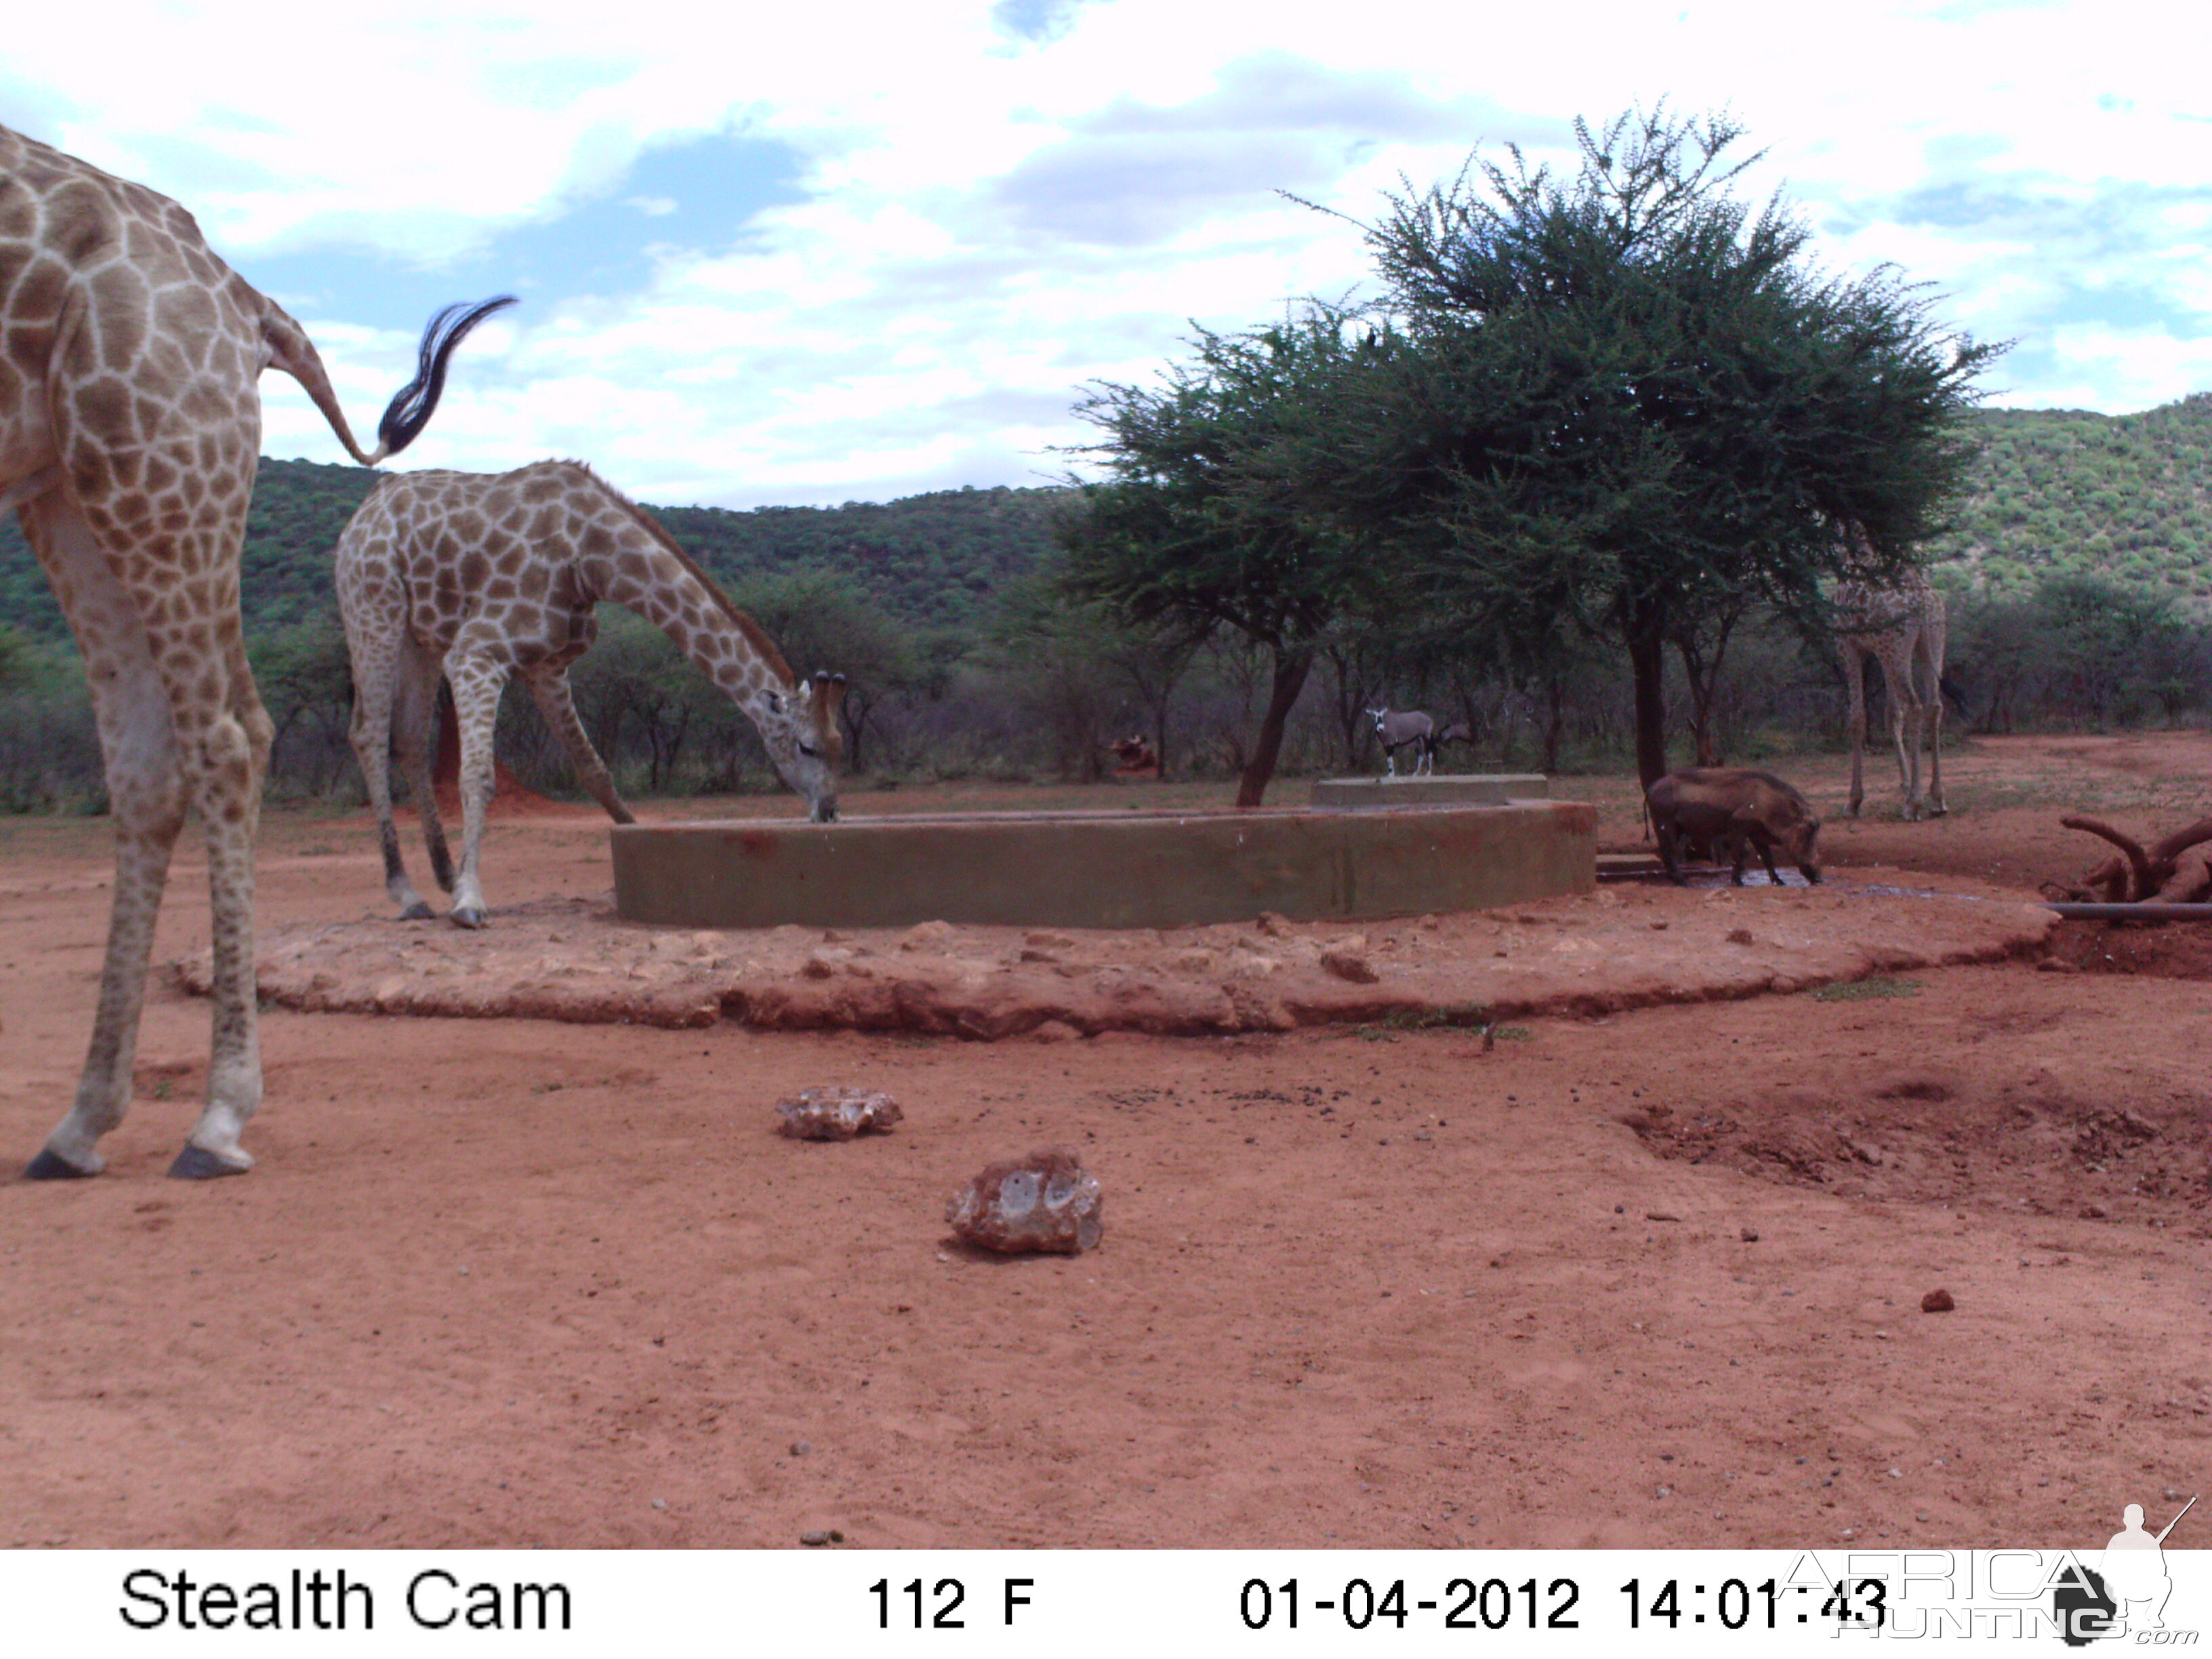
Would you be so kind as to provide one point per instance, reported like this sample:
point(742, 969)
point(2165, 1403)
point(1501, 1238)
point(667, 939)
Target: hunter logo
point(2126, 1594)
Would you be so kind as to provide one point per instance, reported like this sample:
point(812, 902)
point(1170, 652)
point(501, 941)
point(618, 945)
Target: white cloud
point(998, 202)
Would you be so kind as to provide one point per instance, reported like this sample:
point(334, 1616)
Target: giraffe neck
point(722, 641)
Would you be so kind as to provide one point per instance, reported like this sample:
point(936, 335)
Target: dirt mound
point(2020, 1143)
point(571, 959)
point(2180, 950)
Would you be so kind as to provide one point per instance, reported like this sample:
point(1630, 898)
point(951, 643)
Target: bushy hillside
point(933, 560)
point(2051, 492)
point(298, 508)
point(2061, 492)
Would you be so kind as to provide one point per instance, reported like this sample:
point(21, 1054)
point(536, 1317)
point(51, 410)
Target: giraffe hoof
point(197, 1163)
point(418, 911)
point(51, 1165)
point(468, 916)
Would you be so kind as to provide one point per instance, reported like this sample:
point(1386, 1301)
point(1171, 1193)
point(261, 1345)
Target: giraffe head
point(798, 724)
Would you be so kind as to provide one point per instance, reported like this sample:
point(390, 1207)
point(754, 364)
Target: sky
point(785, 255)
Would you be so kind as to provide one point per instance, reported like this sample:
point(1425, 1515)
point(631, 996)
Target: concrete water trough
point(1103, 869)
point(1432, 789)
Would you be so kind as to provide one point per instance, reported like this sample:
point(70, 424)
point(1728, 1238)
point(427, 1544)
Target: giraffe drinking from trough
point(1900, 622)
point(130, 429)
point(481, 576)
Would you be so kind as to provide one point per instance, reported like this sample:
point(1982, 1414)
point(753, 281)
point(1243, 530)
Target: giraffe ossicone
point(129, 430)
point(482, 577)
point(1900, 622)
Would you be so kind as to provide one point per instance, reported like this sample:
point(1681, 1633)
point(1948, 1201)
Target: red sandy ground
point(502, 1282)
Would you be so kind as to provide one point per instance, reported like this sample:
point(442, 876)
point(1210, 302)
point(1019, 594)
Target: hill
point(2055, 492)
point(2049, 492)
point(933, 560)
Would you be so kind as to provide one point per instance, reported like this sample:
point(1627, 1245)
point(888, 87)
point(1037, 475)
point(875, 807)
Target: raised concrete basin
point(1101, 869)
point(1433, 789)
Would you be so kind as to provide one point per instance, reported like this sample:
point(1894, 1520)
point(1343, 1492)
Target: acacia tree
point(1207, 516)
point(1624, 404)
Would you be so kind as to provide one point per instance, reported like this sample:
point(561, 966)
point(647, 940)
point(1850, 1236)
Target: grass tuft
point(1861, 990)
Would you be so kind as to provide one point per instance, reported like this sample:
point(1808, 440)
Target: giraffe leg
point(375, 666)
point(477, 682)
point(415, 716)
point(164, 743)
point(548, 687)
point(146, 800)
point(1855, 724)
point(1904, 716)
point(1905, 725)
point(1932, 648)
point(235, 752)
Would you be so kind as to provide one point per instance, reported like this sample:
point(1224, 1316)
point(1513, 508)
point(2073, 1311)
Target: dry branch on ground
point(2176, 870)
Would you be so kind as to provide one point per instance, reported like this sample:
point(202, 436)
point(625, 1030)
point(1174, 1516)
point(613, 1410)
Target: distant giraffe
point(130, 428)
point(480, 576)
point(1900, 622)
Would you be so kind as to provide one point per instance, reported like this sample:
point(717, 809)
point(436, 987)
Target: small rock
point(1273, 925)
point(822, 963)
point(1658, 926)
point(1350, 965)
point(1046, 1201)
point(1660, 1215)
point(1055, 1031)
point(1739, 936)
point(1048, 941)
point(2056, 965)
point(1937, 1301)
point(814, 1538)
point(835, 1112)
point(800, 1448)
point(926, 936)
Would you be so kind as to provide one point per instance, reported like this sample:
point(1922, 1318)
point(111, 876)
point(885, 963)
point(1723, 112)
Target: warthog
point(1725, 805)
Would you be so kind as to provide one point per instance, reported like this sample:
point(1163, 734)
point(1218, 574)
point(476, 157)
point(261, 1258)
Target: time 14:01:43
point(1736, 1604)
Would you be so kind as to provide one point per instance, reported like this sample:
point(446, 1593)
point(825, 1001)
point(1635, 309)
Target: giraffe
point(130, 429)
point(480, 576)
point(1899, 621)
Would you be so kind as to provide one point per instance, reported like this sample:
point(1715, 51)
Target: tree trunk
point(1704, 679)
point(1647, 657)
point(1555, 721)
point(1290, 679)
point(856, 726)
point(1351, 705)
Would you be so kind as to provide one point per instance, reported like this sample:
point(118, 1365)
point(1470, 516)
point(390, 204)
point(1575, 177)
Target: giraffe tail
point(411, 407)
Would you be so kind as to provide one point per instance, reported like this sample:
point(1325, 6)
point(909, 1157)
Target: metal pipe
point(2147, 911)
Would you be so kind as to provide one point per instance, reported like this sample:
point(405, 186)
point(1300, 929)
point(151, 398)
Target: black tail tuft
point(410, 411)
